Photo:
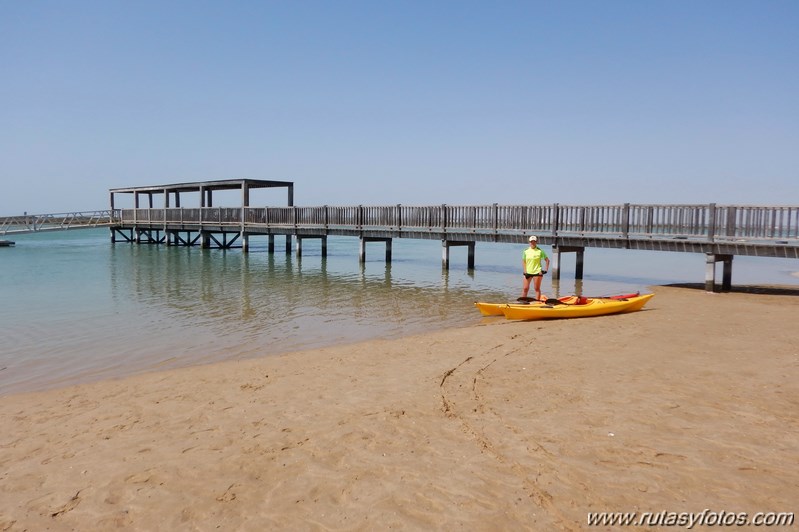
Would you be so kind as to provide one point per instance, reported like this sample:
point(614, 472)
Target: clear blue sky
point(413, 102)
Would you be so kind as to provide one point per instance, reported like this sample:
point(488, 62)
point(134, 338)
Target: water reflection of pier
point(276, 295)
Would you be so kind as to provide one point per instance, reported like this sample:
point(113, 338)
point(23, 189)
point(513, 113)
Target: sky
point(412, 102)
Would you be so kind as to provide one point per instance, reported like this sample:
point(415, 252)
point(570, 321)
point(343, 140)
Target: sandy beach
point(691, 404)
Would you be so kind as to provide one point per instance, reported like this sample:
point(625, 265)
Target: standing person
point(531, 264)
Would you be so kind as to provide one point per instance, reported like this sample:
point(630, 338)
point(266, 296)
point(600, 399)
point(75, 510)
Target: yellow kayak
point(496, 309)
point(581, 308)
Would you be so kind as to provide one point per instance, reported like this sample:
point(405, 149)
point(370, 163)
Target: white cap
point(533, 239)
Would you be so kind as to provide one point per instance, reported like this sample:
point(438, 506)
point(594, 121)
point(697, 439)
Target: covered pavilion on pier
point(204, 188)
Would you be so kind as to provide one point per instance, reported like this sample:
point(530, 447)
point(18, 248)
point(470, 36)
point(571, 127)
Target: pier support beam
point(362, 247)
point(270, 248)
point(446, 244)
point(146, 236)
point(710, 272)
point(557, 258)
point(245, 242)
point(178, 240)
point(300, 238)
point(125, 234)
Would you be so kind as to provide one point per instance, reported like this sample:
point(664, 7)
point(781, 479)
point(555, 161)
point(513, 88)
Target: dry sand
point(690, 404)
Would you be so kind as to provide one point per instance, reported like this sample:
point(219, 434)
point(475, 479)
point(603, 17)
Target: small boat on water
point(496, 309)
point(581, 308)
point(6, 243)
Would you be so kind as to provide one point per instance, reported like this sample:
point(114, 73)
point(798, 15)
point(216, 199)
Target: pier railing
point(34, 223)
point(707, 222)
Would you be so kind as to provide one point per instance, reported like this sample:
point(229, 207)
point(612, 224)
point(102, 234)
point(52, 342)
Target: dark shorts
point(531, 275)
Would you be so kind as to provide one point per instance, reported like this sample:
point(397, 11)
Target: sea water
point(77, 308)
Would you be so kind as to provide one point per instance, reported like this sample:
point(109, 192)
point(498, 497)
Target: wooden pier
point(719, 231)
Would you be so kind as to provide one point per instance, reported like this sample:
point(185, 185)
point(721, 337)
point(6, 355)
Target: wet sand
point(692, 403)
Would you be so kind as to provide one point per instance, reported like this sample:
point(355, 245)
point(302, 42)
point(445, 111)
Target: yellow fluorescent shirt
point(532, 260)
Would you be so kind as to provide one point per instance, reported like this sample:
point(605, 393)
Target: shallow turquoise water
point(76, 308)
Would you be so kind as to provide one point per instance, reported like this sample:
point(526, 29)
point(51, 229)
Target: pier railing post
point(583, 220)
point(625, 227)
point(731, 215)
point(555, 219)
point(399, 217)
point(711, 223)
